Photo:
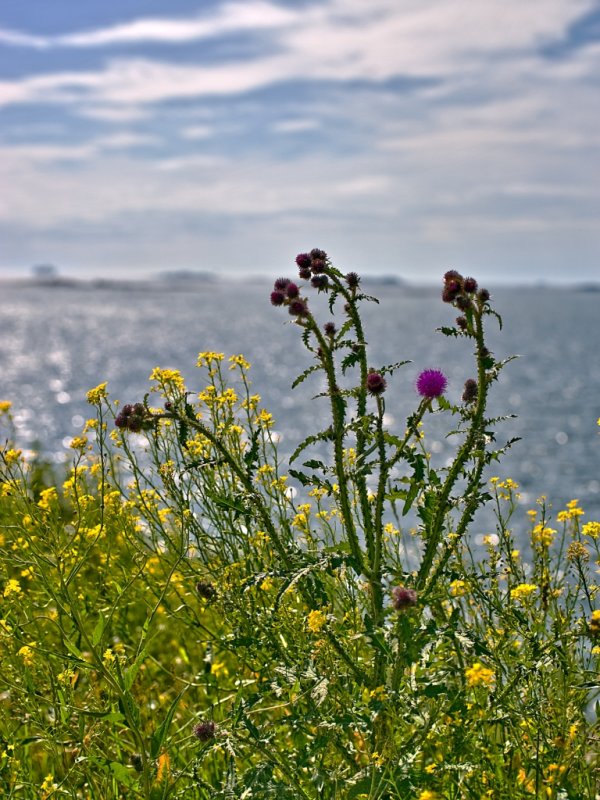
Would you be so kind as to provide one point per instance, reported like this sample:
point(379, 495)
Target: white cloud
point(342, 40)
point(502, 144)
point(228, 18)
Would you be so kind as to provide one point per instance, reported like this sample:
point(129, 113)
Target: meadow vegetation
point(187, 616)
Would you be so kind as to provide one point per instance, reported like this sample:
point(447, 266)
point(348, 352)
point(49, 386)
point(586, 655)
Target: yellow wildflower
point(5, 405)
point(48, 786)
point(219, 669)
point(265, 418)
point(523, 590)
point(595, 622)
point(427, 794)
point(108, 658)
point(13, 587)
point(47, 497)
point(572, 511)
point(239, 361)
point(267, 584)
point(315, 621)
point(206, 358)
point(543, 535)
point(478, 675)
point(94, 396)
point(576, 551)
point(591, 529)
point(78, 442)
point(66, 677)
point(168, 378)
point(458, 588)
point(27, 653)
point(11, 456)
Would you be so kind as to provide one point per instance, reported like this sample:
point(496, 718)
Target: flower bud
point(376, 383)
point(403, 598)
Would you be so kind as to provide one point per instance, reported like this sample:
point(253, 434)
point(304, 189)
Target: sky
point(404, 137)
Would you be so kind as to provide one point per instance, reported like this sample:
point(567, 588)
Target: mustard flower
point(315, 621)
point(591, 529)
point(523, 590)
point(478, 675)
point(13, 587)
point(94, 396)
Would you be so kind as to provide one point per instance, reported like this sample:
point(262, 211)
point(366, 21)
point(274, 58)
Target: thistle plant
point(190, 616)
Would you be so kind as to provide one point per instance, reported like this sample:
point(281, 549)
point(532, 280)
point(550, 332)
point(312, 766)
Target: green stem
point(463, 455)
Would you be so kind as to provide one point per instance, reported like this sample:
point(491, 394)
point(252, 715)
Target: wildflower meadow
point(186, 615)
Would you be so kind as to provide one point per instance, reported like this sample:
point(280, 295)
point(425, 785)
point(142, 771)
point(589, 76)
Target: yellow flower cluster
point(11, 456)
point(458, 588)
point(523, 590)
point(571, 512)
point(543, 535)
point(595, 622)
point(94, 396)
point(591, 529)
point(576, 551)
point(206, 358)
point(505, 487)
point(239, 361)
point(316, 621)
point(168, 378)
point(13, 587)
point(27, 653)
point(478, 675)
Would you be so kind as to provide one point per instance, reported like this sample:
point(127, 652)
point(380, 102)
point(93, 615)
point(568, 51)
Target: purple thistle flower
point(470, 285)
point(431, 383)
point(470, 392)
point(318, 266)
point(205, 731)
point(403, 598)
point(303, 260)
point(277, 298)
point(292, 290)
point(320, 254)
point(304, 273)
point(298, 308)
point(281, 284)
point(352, 280)
point(376, 383)
point(453, 275)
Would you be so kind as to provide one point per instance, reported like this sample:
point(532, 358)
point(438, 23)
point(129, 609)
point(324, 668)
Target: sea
point(57, 340)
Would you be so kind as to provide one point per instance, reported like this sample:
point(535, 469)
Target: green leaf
point(131, 672)
point(322, 436)
point(122, 773)
point(304, 375)
point(98, 631)
point(410, 498)
point(160, 734)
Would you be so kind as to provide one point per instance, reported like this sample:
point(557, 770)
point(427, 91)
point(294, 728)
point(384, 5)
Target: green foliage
point(187, 617)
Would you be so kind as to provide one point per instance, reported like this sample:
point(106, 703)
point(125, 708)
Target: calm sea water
point(56, 343)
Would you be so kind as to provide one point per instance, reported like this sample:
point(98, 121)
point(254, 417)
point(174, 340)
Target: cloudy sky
point(402, 136)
